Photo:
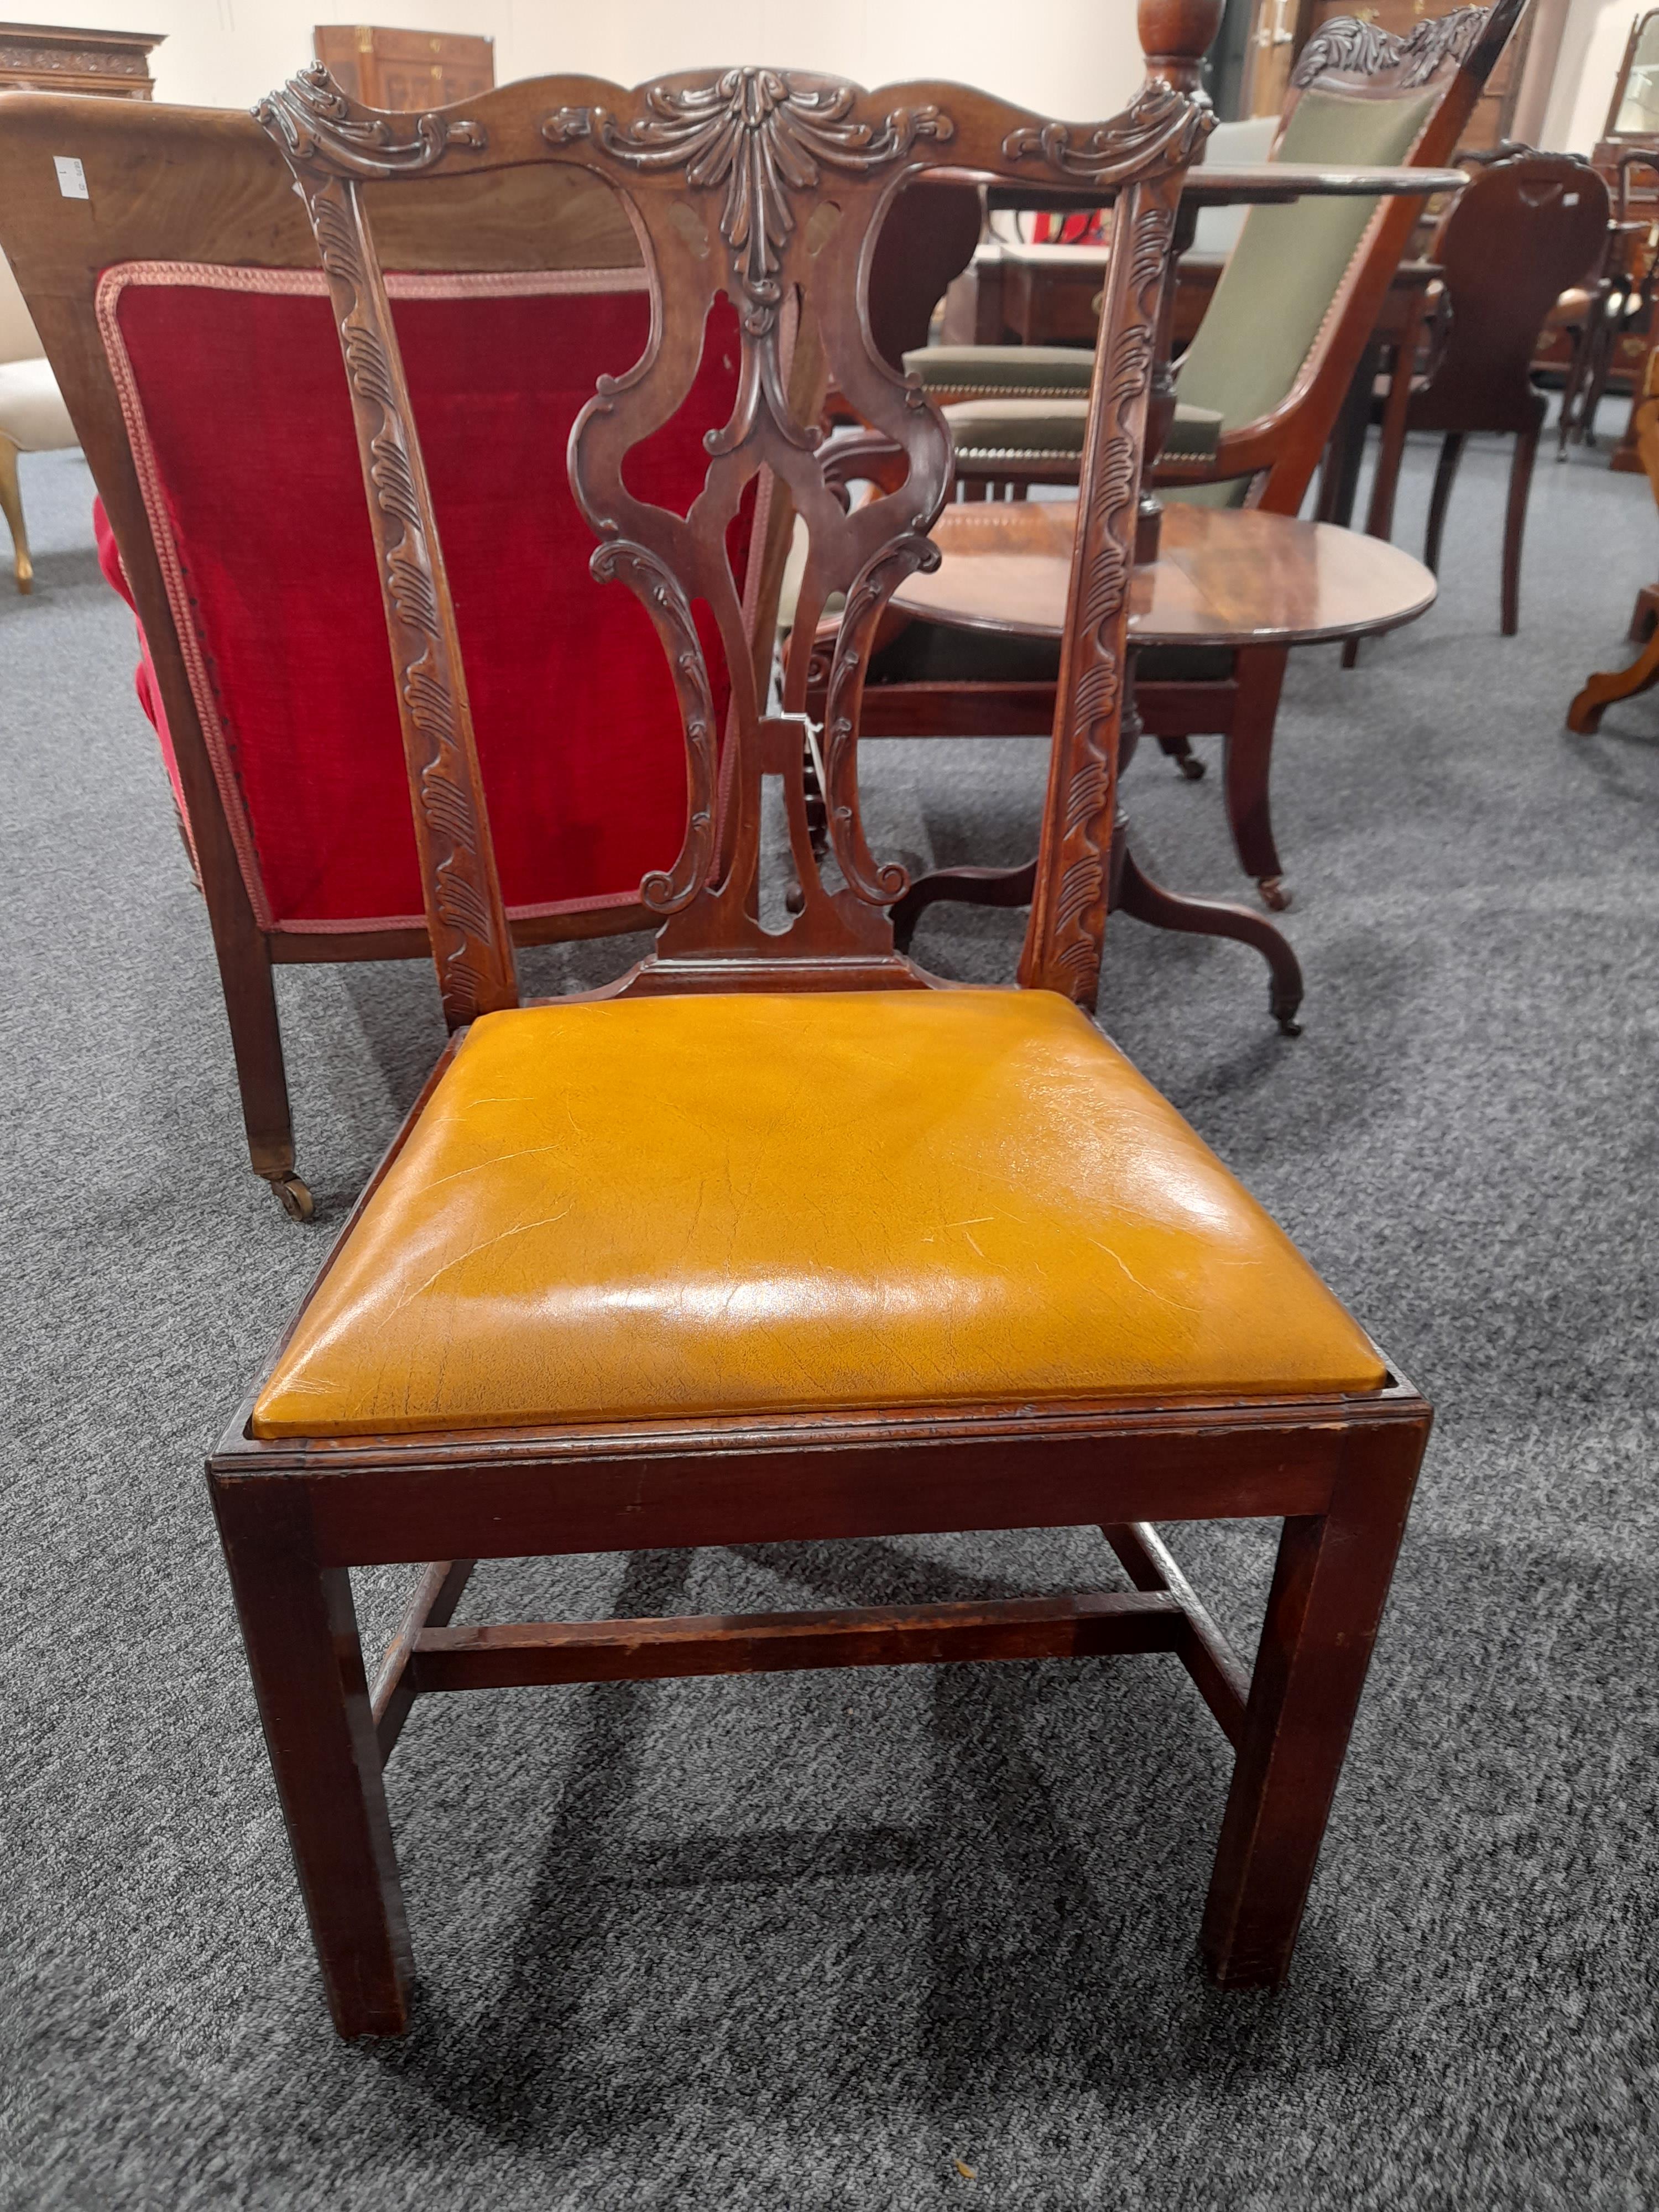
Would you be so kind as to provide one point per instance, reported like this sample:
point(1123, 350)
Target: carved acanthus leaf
point(1160, 127)
point(1348, 47)
point(766, 136)
point(322, 131)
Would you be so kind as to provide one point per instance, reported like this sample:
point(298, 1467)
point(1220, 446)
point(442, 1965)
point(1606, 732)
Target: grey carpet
point(812, 1941)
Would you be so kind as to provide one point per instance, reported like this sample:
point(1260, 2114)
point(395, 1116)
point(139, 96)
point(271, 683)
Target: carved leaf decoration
point(766, 136)
point(320, 129)
point(1160, 126)
point(1351, 48)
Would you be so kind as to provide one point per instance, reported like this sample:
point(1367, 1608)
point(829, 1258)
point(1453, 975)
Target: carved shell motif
point(1357, 49)
point(765, 134)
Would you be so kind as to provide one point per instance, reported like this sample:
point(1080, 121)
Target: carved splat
point(766, 186)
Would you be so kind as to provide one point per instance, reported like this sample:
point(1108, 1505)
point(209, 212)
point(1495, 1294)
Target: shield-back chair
point(778, 1239)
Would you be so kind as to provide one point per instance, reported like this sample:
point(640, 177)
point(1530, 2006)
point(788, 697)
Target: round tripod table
point(1224, 577)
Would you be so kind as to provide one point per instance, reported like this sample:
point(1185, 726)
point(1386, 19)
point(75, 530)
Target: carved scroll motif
point(765, 134)
point(1159, 125)
point(325, 134)
point(1069, 919)
point(1351, 48)
point(667, 891)
point(326, 143)
point(881, 577)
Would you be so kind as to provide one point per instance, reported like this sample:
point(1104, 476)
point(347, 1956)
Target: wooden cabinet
point(51, 58)
point(407, 70)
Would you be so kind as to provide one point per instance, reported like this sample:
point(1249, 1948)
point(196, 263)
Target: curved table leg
point(1584, 715)
point(964, 887)
point(1135, 893)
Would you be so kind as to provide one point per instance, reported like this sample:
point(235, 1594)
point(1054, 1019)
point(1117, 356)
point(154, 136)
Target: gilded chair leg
point(11, 506)
point(301, 1633)
point(1515, 524)
point(1247, 762)
point(1451, 452)
point(1328, 1591)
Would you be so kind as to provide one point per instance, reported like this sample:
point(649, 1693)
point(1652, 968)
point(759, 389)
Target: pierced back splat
point(769, 187)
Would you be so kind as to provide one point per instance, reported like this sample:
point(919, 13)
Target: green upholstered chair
point(1260, 390)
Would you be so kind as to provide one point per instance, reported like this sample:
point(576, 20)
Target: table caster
point(292, 1195)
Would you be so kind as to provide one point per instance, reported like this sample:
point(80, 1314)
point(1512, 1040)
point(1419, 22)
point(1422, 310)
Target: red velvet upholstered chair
point(233, 486)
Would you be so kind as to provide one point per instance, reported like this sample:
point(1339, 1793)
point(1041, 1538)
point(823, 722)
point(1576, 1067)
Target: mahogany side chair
point(1525, 229)
point(1260, 390)
point(189, 325)
point(628, 1277)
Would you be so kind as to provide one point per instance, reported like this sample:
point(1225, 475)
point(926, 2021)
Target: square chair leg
point(1330, 1588)
point(301, 1631)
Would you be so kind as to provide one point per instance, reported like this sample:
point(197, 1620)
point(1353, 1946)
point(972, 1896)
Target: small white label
point(1569, 199)
point(71, 177)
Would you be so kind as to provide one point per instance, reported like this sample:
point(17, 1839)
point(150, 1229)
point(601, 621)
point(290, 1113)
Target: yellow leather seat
point(762, 1203)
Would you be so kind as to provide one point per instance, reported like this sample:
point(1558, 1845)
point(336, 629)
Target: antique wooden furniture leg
point(1247, 755)
point(1451, 452)
point(301, 1631)
point(1645, 615)
point(1600, 692)
point(1135, 892)
point(1515, 523)
point(1330, 1588)
point(11, 506)
point(256, 1043)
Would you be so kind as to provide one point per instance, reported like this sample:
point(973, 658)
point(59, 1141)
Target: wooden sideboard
point(55, 58)
point(405, 70)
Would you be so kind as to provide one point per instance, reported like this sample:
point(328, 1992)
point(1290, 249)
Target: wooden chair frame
point(726, 176)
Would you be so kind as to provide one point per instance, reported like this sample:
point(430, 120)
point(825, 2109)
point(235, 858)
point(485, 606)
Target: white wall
point(1592, 47)
point(1078, 58)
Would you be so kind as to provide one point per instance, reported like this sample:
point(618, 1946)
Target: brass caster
point(1288, 1025)
point(1191, 766)
point(295, 1201)
point(1273, 894)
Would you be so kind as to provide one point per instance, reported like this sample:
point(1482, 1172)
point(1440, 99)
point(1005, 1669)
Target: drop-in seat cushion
point(1029, 429)
point(758, 1204)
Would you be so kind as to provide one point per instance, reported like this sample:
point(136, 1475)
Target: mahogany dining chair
point(684, 1262)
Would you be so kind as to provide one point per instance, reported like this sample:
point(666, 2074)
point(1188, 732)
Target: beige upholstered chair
point(32, 416)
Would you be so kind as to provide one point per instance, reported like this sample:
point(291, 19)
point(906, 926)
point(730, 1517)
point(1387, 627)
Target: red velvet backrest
point(237, 405)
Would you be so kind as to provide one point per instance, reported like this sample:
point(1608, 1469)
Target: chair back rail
point(767, 188)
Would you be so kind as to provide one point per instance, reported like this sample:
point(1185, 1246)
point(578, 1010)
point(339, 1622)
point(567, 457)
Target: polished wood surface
point(1225, 576)
point(51, 58)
